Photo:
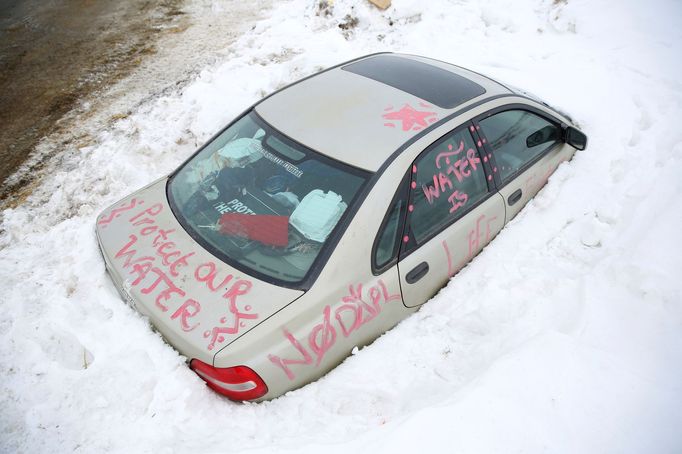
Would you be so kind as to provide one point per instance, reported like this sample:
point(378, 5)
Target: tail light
point(236, 383)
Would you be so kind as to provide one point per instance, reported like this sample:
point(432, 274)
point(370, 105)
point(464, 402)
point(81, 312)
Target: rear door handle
point(417, 273)
point(515, 197)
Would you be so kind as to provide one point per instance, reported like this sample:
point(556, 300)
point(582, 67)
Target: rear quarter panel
point(347, 306)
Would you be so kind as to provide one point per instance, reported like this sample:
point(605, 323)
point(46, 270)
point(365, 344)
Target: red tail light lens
point(236, 383)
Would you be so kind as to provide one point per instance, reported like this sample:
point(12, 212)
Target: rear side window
point(517, 137)
point(447, 180)
point(387, 241)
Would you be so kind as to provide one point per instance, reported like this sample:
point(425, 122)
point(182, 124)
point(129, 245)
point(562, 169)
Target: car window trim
point(401, 191)
point(499, 184)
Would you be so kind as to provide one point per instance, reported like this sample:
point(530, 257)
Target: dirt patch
point(54, 53)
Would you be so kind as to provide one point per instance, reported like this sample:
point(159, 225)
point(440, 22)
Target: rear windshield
point(257, 199)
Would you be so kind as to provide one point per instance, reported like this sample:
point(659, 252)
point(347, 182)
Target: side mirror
point(549, 133)
point(575, 138)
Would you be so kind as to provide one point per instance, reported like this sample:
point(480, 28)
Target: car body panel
point(530, 181)
point(197, 302)
point(307, 339)
point(450, 250)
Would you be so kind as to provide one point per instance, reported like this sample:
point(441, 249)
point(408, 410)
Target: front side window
point(447, 180)
point(254, 197)
point(517, 137)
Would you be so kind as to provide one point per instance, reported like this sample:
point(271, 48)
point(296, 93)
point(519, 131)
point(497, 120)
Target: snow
point(564, 335)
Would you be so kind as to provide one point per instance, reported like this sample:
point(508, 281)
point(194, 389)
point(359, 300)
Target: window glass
point(387, 246)
point(447, 179)
point(517, 137)
point(263, 201)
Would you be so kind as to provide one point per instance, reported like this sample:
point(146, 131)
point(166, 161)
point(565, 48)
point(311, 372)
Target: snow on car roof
point(362, 112)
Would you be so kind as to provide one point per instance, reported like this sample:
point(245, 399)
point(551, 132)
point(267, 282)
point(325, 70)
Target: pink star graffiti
point(411, 118)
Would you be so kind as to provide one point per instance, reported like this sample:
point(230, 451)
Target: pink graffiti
point(474, 243)
point(141, 270)
point(442, 183)
point(206, 273)
point(162, 236)
point(360, 310)
point(356, 310)
point(410, 118)
point(164, 294)
point(241, 287)
point(128, 253)
point(116, 212)
point(158, 272)
point(209, 277)
point(152, 211)
point(166, 257)
point(457, 199)
point(161, 284)
point(449, 153)
point(452, 270)
point(322, 337)
point(475, 234)
point(285, 363)
point(189, 309)
point(533, 183)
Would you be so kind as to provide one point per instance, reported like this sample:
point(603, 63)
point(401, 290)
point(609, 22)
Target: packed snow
point(563, 335)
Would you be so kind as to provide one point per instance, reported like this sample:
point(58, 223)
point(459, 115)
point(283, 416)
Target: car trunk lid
point(197, 302)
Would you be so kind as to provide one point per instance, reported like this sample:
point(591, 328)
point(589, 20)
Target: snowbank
point(564, 335)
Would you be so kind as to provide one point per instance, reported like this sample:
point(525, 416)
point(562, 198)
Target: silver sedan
point(326, 213)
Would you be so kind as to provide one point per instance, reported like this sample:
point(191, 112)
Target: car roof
point(363, 111)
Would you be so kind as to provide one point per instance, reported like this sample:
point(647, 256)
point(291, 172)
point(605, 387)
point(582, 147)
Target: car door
point(453, 211)
point(523, 146)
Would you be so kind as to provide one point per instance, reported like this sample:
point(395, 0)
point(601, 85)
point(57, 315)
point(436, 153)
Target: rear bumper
point(115, 277)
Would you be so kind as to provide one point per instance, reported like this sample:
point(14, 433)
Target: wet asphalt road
point(53, 53)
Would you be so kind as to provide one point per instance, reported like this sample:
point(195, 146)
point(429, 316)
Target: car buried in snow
point(326, 213)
